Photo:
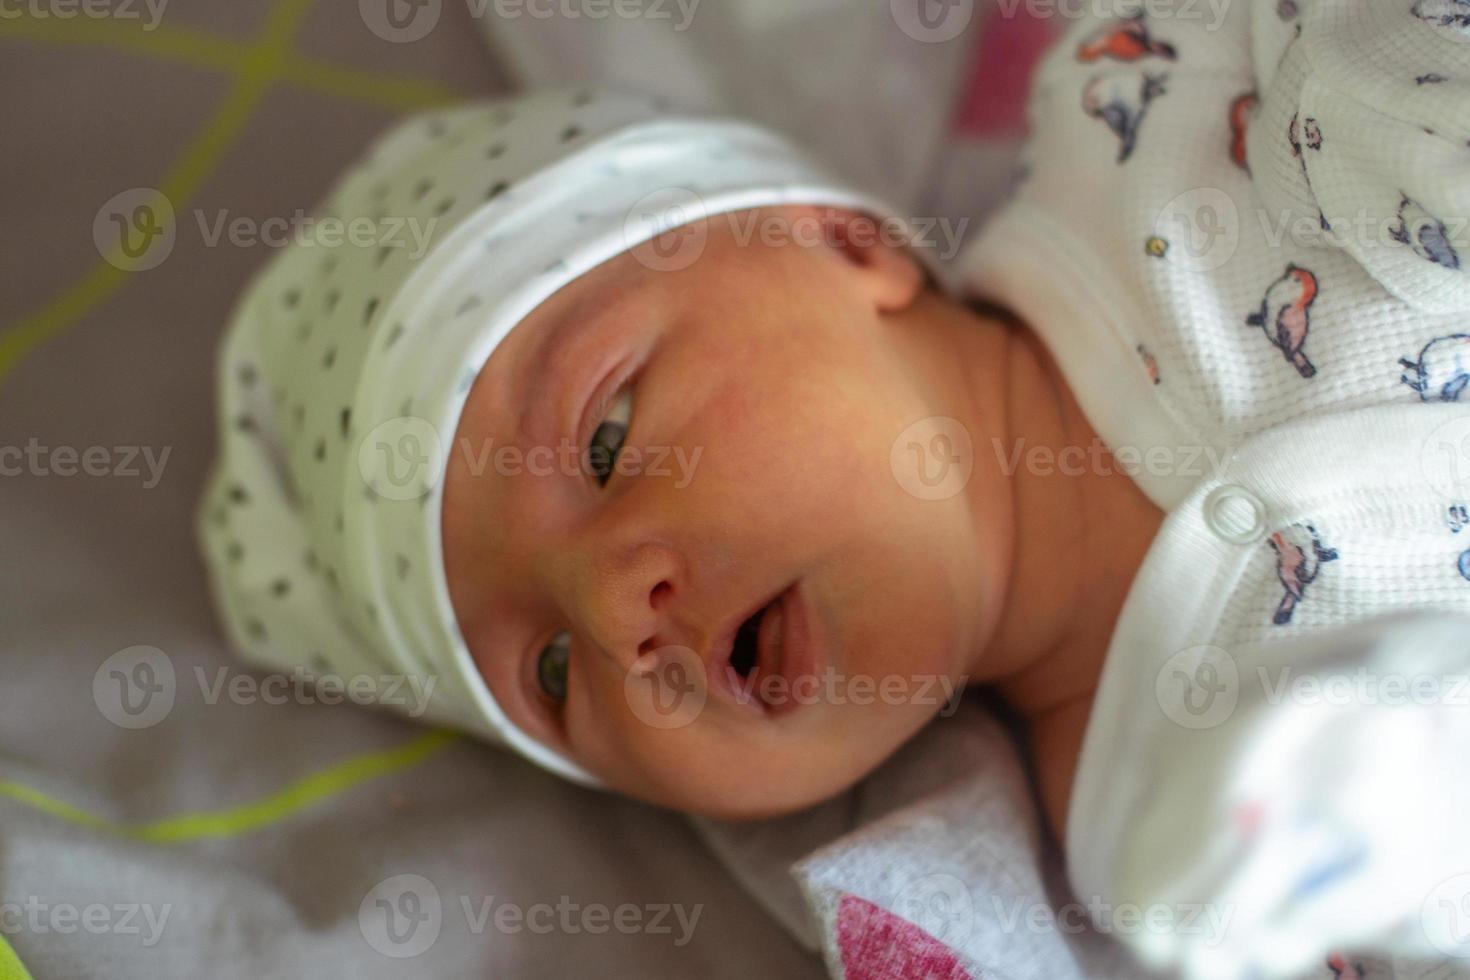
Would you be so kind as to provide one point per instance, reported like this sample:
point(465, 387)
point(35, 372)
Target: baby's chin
point(742, 809)
point(759, 790)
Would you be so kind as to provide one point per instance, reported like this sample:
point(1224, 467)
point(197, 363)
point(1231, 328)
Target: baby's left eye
point(607, 441)
point(551, 667)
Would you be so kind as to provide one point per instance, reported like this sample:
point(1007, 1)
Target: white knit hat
point(350, 357)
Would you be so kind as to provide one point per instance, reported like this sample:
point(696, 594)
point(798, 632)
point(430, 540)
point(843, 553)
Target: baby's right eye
point(551, 667)
point(607, 441)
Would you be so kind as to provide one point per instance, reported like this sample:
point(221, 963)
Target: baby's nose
point(624, 600)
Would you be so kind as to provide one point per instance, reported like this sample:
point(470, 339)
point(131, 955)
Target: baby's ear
point(889, 272)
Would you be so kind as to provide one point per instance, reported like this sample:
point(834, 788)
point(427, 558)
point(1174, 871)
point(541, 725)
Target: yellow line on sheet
point(252, 78)
point(11, 968)
point(256, 69)
point(163, 43)
point(247, 817)
point(200, 50)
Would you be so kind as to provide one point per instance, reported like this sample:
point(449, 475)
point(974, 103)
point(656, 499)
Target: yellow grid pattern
point(256, 67)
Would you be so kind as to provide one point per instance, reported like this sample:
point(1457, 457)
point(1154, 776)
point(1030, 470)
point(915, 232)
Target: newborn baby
point(671, 465)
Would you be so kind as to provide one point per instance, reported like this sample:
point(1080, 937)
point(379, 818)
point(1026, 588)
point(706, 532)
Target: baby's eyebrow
point(533, 388)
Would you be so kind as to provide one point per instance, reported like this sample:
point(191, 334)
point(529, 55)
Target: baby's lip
point(788, 649)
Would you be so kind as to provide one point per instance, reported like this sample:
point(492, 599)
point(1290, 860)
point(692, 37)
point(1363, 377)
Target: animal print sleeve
point(1359, 138)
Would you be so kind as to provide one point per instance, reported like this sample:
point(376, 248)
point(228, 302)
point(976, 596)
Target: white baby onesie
point(1242, 233)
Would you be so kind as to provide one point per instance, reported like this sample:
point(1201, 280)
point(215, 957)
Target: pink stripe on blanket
point(878, 945)
point(993, 103)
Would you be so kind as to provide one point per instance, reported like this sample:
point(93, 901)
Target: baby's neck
point(1079, 532)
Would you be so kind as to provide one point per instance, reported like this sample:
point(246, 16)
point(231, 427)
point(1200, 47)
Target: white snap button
point(1236, 514)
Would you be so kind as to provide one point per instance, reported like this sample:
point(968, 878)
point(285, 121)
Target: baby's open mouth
point(770, 649)
point(746, 653)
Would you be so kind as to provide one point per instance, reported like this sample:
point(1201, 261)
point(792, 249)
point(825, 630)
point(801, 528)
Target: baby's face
point(754, 399)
